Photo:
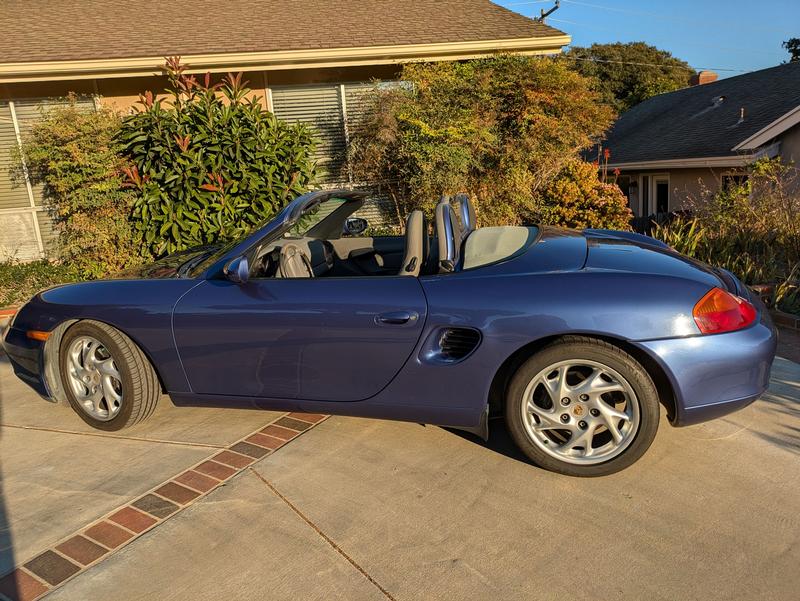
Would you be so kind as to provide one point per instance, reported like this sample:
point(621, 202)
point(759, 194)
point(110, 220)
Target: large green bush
point(210, 162)
point(73, 153)
point(500, 129)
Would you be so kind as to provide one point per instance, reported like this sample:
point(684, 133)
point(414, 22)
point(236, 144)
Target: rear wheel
point(582, 407)
point(108, 380)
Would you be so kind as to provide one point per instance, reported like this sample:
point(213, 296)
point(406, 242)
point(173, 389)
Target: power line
point(773, 54)
point(693, 69)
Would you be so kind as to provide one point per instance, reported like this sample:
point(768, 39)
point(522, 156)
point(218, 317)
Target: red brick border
point(98, 540)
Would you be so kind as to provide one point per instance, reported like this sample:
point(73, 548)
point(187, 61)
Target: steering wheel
point(294, 263)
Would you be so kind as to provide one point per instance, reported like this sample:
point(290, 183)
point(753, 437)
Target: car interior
point(327, 242)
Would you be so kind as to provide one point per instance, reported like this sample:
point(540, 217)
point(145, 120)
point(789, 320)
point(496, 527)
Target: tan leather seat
point(416, 244)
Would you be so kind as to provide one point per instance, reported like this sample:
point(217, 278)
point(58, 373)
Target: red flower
point(616, 172)
point(606, 154)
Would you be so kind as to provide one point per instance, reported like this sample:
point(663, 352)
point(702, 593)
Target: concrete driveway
point(367, 509)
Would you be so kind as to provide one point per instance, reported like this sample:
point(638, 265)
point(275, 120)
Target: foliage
point(20, 281)
point(629, 73)
point(210, 162)
point(750, 229)
point(792, 46)
point(576, 198)
point(73, 153)
point(499, 129)
point(787, 293)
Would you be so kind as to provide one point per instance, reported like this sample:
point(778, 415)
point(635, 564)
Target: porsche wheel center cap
point(578, 410)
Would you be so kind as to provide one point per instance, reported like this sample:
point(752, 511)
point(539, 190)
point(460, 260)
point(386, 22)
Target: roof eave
point(733, 160)
point(270, 61)
point(774, 129)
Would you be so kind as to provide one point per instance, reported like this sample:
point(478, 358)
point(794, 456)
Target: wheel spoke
point(610, 412)
point(581, 438)
point(548, 420)
point(107, 368)
point(596, 384)
point(108, 389)
point(557, 387)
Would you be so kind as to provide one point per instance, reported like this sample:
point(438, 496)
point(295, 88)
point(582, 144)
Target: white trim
point(283, 59)
point(776, 128)
point(28, 186)
point(346, 129)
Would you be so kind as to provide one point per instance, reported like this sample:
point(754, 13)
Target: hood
point(636, 253)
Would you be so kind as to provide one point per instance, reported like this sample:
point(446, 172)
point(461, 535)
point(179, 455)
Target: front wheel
point(582, 407)
point(108, 380)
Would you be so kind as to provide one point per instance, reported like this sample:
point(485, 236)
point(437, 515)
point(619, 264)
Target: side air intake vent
point(457, 343)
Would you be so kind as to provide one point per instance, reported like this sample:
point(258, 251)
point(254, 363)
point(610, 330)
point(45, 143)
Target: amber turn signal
point(720, 311)
point(37, 335)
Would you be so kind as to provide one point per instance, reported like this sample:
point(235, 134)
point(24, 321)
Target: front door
point(332, 339)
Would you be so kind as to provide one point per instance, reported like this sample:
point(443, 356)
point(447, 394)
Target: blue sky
point(717, 34)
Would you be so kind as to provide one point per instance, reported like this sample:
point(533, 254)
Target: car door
point(336, 339)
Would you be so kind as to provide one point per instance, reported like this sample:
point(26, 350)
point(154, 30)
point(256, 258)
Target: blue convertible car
point(578, 338)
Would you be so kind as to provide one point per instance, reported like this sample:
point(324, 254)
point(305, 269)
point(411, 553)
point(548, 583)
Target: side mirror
point(238, 270)
point(354, 226)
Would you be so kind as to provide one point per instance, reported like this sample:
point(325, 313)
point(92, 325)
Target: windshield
point(314, 217)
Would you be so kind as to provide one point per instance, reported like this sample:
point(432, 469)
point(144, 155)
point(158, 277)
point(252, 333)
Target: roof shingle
point(56, 30)
point(704, 121)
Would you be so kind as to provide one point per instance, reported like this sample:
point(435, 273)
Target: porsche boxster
point(580, 339)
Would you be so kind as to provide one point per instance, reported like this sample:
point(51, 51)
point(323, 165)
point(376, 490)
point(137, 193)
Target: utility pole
point(544, 14)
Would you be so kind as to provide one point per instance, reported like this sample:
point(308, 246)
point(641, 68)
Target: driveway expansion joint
point(322, 535)
point(96, 541)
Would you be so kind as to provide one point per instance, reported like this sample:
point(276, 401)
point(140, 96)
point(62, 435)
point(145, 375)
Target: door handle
point(396, 318)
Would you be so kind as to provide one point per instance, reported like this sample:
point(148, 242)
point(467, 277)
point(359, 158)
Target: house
point(308, 60)
point(671, 147)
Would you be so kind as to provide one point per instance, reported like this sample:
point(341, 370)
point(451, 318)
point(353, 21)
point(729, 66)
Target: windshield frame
point(213, 267)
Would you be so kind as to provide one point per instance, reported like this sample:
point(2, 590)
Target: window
point(733, 180)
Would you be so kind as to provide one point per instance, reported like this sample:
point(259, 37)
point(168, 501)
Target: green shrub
point(210, 163)
point(20, 281)
point(499, 129)
point(577, 198)
point(751, 230)
point(73, 154)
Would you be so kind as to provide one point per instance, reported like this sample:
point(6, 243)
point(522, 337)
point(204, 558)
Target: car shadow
point(8, 586)
point(500, 440)
point(784, 409)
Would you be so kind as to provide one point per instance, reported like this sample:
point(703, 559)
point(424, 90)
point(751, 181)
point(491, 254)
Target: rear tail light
point(720, 311)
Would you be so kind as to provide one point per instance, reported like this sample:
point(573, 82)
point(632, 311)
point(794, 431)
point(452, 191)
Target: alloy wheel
point(94, 378)
point(580, 411)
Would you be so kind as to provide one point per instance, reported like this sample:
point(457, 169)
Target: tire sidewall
point(122, 418)
point(625, 365)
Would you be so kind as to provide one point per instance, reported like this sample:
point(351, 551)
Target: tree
point(499, 129)
point(627, 74)
point(792, 45)
point(73, 153)
point(210, 163)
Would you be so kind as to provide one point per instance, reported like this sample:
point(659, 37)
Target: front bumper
point(27, 359)
point(715, 375)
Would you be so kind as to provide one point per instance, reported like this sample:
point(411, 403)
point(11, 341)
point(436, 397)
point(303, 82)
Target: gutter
point(274, 60)
point(734, 160)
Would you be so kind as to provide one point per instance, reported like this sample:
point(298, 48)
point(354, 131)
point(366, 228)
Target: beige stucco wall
point(685, 185)
point(790, 145)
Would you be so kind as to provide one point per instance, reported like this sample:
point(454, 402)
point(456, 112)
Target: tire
point(605, 419)
point(94, 356)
